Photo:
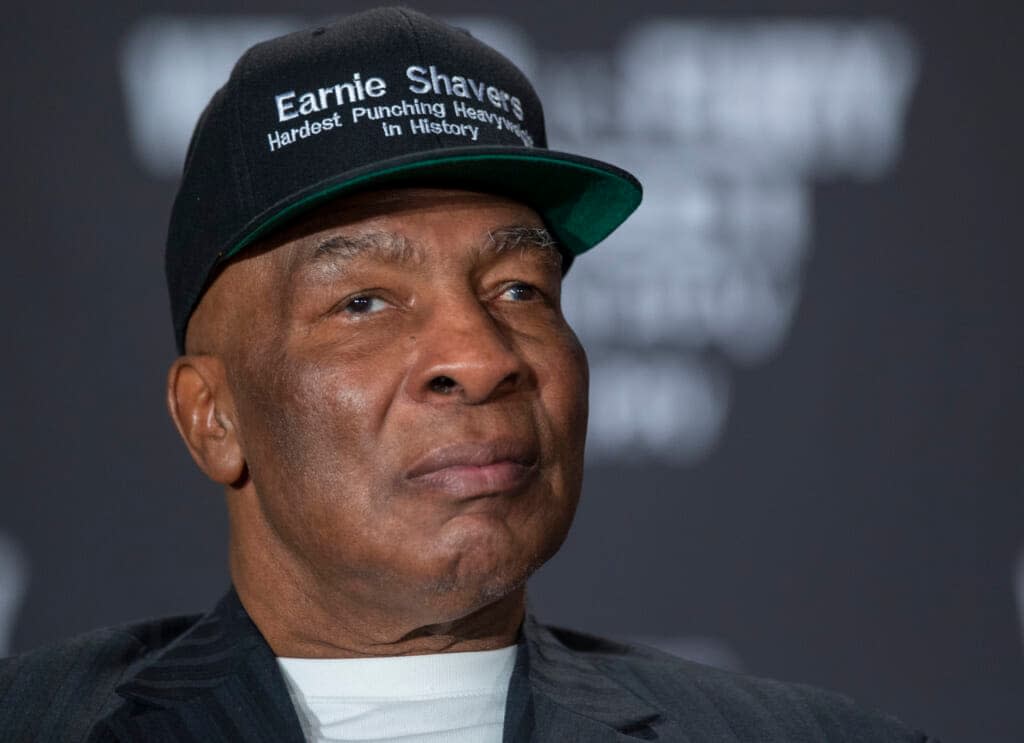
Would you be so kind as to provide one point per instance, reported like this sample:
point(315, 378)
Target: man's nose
point(464, 354)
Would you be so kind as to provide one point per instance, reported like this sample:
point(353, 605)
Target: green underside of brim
point(582, 204)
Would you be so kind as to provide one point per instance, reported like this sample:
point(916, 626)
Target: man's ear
point(201, 407)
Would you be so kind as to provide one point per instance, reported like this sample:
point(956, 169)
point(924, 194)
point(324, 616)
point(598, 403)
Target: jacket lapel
point(558, 695)
point(218, 681)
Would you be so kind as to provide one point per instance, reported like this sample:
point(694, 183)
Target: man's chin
point(478, 605)
point(475, 580)
point(479, 580)
point(484, 558)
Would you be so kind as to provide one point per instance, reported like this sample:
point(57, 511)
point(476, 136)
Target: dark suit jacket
point(214, 678)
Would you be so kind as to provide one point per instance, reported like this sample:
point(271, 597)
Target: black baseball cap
point(382, 98)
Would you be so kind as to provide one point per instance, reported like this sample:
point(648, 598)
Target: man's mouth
point(473, 469)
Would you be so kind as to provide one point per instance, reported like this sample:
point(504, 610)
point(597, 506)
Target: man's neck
point(299, 619)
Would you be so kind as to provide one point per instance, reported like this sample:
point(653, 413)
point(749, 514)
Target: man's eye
point(364, 304)
point(520, 292)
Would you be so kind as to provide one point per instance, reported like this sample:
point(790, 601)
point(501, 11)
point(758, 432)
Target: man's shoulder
point(746, 706)
point(106, 651)
point(70, 683)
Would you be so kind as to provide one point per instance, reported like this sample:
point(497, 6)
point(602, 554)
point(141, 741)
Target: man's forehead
point(378, 225)
point(396, 203)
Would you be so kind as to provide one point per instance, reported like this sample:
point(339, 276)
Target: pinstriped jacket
point(214, 678)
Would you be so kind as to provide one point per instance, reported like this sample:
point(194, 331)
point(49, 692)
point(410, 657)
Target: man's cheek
point(564, 381)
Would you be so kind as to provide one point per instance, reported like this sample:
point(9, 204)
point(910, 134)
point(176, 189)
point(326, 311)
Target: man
point(365, 262)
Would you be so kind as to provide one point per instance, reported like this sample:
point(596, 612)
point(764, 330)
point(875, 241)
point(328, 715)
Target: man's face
point(410, 401)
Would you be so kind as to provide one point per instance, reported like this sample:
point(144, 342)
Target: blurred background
point(806, 347)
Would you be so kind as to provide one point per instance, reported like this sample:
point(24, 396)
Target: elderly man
point(365, 262)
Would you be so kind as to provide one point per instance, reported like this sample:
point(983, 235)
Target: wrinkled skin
point(315, 384)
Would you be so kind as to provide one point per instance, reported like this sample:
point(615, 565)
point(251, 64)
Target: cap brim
point(580, 199)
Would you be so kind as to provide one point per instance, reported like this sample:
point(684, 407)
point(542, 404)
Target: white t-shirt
point(440, 698)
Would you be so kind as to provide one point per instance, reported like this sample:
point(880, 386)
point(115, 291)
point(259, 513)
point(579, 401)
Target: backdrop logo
point(728, 125)
point(170, 67)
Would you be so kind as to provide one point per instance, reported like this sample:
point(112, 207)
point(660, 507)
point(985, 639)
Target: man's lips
point(475, 468)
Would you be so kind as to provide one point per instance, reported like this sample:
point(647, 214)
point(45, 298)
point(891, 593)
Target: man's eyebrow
point(331, 253)
point(536, 240)
point(335, 250)
point(387, 246)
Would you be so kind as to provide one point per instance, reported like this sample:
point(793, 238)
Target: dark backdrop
point(855, 522)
